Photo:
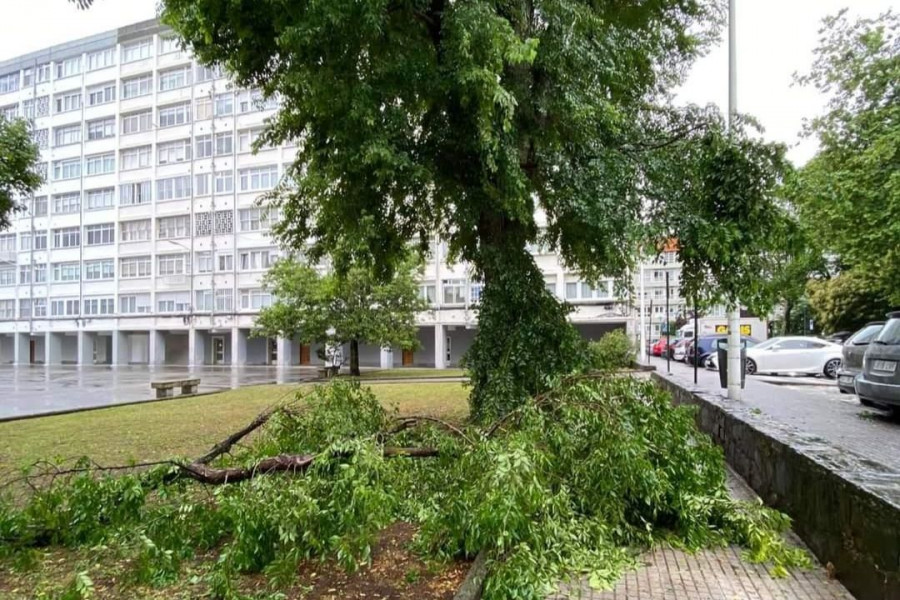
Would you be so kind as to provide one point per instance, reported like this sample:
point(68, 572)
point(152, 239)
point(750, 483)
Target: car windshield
point(865, 335)
point(890, 335)
point(766, 344)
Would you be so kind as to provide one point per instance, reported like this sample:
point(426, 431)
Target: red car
point(658, 347)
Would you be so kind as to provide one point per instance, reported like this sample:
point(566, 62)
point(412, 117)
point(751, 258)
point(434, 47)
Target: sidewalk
point(816, 411)
point(715, 574)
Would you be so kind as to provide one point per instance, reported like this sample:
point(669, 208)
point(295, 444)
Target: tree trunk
point(788, 306)
point(354, 358)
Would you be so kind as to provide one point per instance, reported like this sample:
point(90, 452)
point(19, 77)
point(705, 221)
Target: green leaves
point(19, 156)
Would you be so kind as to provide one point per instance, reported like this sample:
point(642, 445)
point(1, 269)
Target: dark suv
point(853, 352)
point(879, 382)
point(708, 345)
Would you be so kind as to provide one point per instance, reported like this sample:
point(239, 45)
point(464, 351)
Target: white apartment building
point(655, 308)
point(145, 245)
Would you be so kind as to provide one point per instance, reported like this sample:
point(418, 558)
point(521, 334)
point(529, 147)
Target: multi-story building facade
point(146, 244)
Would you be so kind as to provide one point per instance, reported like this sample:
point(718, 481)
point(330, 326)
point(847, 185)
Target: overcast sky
point(776, 38)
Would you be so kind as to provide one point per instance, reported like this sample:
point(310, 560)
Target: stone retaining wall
point(845, 507)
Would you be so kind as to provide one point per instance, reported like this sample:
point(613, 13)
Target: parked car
point(852, 356)
point(679, 350)
point(879, 382)
point(708, 345)
point(712, 360)
point(795, 354)
point(839, 337)
point(658, 347)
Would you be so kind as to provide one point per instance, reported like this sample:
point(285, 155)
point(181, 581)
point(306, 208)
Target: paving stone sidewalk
point(720, 574)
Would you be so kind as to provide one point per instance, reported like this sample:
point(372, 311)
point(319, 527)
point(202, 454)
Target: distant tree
point(847, 301)
point(849, 193)
point(19, 156)
point(347, 306)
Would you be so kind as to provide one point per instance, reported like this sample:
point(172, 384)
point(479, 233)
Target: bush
point(613, 351)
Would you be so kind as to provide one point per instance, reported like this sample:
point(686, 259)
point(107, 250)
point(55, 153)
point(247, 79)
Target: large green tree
point(19, 156)
point(849, 192)
point(465, 118)
point(349, 306)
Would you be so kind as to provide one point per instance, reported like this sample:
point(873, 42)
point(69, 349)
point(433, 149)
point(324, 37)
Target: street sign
point(745, 329)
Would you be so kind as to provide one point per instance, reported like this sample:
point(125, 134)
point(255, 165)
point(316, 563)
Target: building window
point(64, 308)
point(100, 235)
point(37, 272)
point(38, 107)
point(100, 164)
point(581, 290)
point(67, 102)
point(64, 204)
point(255, 219)
point(225, 263)
point(135, 267)
point(454, 291)
point(135, 231)
point(137, 122)
point(253, 100)
point(175, 78)
point(68, 67)
point(170, 264)
point(255, 299)
point(101, 59)
point(173, 302)
point(247, 138)
point(131, 194)
point(203, 262)
point(134, 304)
point(168, 44)
point(208, 73)
point(259, 178)
point(224, 143)
point(475, 290)
point(37, 207)
point(7, 244)
point(67, 134)
point(176, 114)
point(37, 305)
point(169, 228)
point(428, 293)
point(9, 112)
point(101, 94)
point(173, 188)
point(138, 50)
point(224, 104)
point(135, 158)
point(69, 168)
point(7, 309)
point(224, 182)
point(99, 306)
point(99, 199)
point(101, 129)
point(224, 223)
point(224, 300)
point(170, 152)
point(68, 271)
point(204, 146)
point(201, 184)
point(7, 276)
point(34, 241)
point(99, 269)
point(257, 260)
point(142, 85)
point(203, 109)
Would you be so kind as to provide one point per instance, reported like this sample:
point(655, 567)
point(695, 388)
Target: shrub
point(613, 351)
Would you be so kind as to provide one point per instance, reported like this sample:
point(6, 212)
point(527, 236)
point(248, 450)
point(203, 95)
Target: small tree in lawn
point(350, 304)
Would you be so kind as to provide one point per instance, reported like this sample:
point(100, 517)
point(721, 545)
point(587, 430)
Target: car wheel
point(831, 368)
point(750, 368)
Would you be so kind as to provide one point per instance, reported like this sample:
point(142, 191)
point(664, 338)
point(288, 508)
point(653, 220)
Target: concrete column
point(387, 358)
point(52, 348)
point(440, 359)
point(285, 352)
point(85, 348)
point(157, 348)
point(238, 347)
point(21, 349)
point(196, 348)
point(121, 354)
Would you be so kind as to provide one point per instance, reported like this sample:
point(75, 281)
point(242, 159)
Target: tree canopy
point(19, 156)
point(466, 119)
point(850, 191)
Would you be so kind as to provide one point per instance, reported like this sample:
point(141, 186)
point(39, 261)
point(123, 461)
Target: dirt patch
point(396, 573)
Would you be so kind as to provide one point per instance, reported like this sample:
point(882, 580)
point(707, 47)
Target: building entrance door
point(218, 350)
point(304, 354)
point(407, 358)
point(31, 345)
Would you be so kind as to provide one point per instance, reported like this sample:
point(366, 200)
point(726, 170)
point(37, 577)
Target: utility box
point(722, 351)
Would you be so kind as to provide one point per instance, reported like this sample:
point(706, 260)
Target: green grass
point(411, 372)
point(188, 427)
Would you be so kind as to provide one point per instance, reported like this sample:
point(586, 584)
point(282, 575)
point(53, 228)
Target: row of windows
point(166, 302)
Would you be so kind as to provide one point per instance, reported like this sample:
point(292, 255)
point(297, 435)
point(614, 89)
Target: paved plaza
point(31, 390)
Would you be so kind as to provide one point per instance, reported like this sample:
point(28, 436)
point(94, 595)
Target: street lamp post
point(735, 366)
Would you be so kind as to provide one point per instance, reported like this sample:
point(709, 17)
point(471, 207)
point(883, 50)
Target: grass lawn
point(412, 372)
point(187, 427)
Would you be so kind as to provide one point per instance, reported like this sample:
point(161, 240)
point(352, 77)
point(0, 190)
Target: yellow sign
point(745, 329)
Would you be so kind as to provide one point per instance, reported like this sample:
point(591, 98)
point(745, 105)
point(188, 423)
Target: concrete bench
point(329, 372)
point(165, 389)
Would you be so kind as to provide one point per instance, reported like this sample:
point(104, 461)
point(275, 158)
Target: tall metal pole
point(643, 334)
point(668, 328)
point(696, 335)
point(734, 317)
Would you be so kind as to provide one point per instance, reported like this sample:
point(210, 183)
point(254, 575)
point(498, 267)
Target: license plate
point(846, 379)
point(887, 366)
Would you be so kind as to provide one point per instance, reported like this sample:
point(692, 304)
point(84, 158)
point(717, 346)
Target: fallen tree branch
point(405, 422)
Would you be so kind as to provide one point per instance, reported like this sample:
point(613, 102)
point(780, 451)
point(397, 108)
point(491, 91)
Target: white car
point(795, 354)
